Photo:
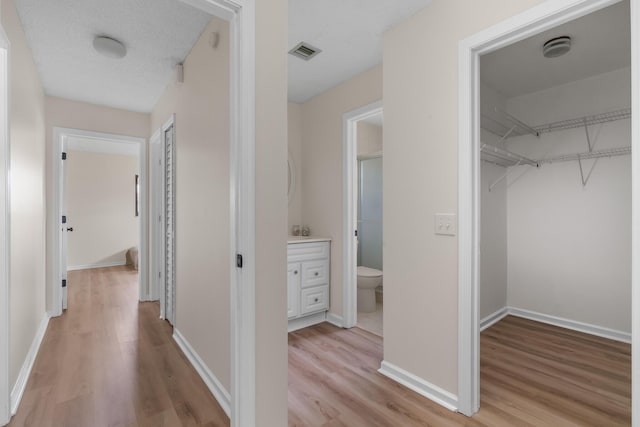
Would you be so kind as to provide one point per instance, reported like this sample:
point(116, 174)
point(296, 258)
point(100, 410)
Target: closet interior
point(556, 195)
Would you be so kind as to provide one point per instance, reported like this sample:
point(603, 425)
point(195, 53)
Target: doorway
point(96, 151)
point(539, 20)
point(371, 114)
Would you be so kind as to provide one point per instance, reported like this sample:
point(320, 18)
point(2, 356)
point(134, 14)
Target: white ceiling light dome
point(109, 47)
point(556, 47)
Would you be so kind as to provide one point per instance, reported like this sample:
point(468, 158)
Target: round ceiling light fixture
point(111, 48)
point(556, 47)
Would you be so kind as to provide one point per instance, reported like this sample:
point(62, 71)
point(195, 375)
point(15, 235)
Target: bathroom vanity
point(308, 269)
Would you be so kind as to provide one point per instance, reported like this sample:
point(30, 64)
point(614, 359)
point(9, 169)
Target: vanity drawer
point(315, 273)
point(314, 299)
point(307, 251)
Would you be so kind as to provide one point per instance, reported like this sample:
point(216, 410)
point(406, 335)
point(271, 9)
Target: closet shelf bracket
point(582, 177)
point(499, 180)
point(505, 157)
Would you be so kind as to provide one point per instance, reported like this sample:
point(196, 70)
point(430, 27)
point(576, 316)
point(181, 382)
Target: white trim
point(336, 320)
point(574, 325)
point(75, 143)
point(306, 321)
point(213, 383)
point(420, 386)
point(5, 227)
point(27, 365)
point(241, 17)
point(97, 265)
point(60, 138)
point(349, 204)
point(493, 318)
point(635, 219)
point(535, 20)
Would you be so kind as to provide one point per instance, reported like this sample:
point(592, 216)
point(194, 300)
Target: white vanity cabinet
point(307, 277)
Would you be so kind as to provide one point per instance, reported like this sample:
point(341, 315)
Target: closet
point(556, 178)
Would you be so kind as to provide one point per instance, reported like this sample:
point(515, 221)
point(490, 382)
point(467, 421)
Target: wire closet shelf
point(511, 127)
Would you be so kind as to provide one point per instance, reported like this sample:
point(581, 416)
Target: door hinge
point(64, 283)
point(64, 156)
point(64, 219)
point(238, 260)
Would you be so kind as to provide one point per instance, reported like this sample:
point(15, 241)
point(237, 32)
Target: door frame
point(349, 203)
point(155, 224)
point(540, 18)
point(242, 28)
point(61, 138)
point(5, 228)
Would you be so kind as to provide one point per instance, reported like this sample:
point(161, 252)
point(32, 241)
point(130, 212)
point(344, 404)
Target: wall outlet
point(445, 224)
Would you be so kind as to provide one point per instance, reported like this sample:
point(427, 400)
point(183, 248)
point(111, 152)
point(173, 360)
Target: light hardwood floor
point(532, 374)
point(110, 361)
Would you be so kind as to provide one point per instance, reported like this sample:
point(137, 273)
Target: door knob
point(69, 228)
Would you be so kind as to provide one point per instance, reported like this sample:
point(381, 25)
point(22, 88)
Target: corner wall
point(27, 145)
point(79, 115)
point(421, 158)
point(322, 199)
point(201, 107)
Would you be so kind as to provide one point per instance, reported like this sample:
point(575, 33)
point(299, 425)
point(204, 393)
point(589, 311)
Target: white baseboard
point(420, 386)
point(336, 320)
point(494, 318)
point(25, 371)
point(587, 328)
point(306, 321)
point(98, 265)
point(215, 386)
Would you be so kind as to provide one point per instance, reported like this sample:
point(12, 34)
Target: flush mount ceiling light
point(111, 48)
point(556, 47)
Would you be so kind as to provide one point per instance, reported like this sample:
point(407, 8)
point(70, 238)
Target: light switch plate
point(445, 224)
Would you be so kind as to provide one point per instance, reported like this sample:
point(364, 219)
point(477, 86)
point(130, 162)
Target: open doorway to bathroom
point(369, 224)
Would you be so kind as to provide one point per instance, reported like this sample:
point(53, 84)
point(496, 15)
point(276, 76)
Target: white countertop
point(306, 239)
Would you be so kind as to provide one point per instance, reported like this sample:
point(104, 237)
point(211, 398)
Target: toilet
point(368, 280)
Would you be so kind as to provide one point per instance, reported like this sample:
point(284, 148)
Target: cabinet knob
point(316, 300)
point(295, 272)
point(316, 273)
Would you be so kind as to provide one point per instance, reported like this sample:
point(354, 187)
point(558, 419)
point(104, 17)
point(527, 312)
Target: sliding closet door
point(169, 224)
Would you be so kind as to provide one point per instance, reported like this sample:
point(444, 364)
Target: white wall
point(369, 139)
point(271, 212)
point(295, 152)
point(79, 115)
point(322, 163)
point(27, 145)
point(493, 217)
point(569, 245)
point(101, 208)
point(420, 179)
point(201, 107)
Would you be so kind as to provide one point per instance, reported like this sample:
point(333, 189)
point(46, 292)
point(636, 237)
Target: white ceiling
point(349, 33)
point(158, 34)
point(601, 43)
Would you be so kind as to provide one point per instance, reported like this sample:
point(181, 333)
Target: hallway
point(109, 361)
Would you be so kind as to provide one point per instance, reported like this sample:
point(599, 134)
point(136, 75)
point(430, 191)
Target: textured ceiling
point(601, 42)
point(349, 32)
point(158, 34)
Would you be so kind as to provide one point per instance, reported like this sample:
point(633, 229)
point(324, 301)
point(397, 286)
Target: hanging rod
point(493, 153)
point(611, 152)
point(611, 116)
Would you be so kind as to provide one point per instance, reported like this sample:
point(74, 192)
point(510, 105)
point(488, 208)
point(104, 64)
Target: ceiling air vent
point(304, 51)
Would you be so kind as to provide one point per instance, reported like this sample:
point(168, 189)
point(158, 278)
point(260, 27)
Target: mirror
point(291, 178)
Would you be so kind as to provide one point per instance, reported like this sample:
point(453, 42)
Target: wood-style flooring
point(532, 374)
point(110, 361)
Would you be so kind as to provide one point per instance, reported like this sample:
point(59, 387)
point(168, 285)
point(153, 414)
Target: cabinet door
point(293, 289)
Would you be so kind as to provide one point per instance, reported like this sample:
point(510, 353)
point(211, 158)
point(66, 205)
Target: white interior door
point(169, 223)
point(64, 225)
